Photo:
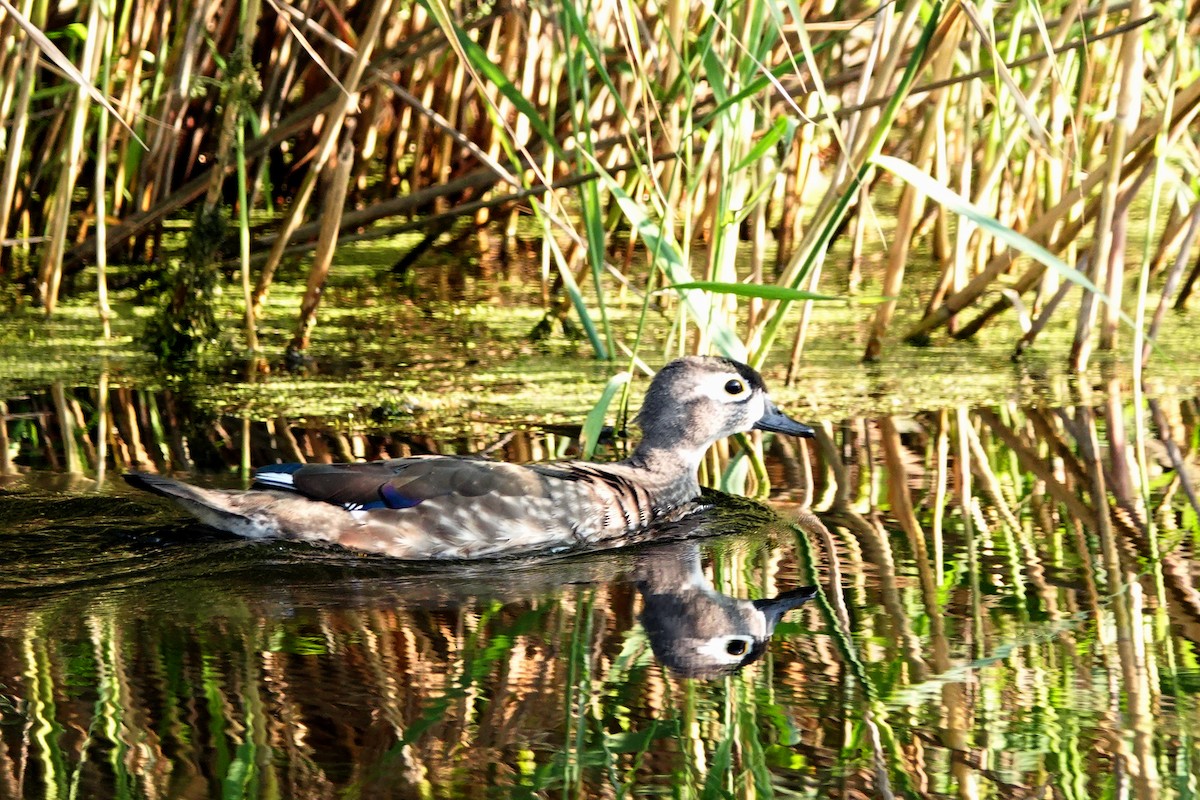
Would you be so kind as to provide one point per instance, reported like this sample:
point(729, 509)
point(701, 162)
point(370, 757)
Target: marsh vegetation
point(1033, 149)
point(241, 233)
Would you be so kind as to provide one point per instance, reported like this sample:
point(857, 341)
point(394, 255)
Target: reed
point(715, 135)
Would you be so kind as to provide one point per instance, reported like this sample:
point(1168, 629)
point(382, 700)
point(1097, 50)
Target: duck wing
point(407, 482)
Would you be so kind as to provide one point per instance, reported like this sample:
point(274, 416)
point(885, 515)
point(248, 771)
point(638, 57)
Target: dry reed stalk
point(423, 75)
point(132, 38)
point(853, 280)
point(19, 121)
point(1055, 179)
point(803, 164)
point(535, 72)
point(280, 73)
point(912, 202)
point(1173, 232)
point(1068, 234)
point(50, 273)
point(6, 464)
point(192, 190)
point(1107, 260)
point(10, 63)
point(942, 248)
point(954, 275)
point(1172, 281)
point(170, 106)
point(409, 24)
point(1140, 145)
point(9, 56)
point(102, 27)
point(332, 125)
point(442, 154)
point(331, 213)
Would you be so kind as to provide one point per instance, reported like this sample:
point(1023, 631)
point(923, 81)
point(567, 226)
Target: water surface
point(1007, 608)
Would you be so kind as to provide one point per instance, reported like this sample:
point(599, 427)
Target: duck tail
point(210, 507)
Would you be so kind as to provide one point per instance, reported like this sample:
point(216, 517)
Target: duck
point(461, 507)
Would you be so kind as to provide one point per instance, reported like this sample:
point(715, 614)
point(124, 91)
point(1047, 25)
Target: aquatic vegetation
point(184, 320)
point(656, 148)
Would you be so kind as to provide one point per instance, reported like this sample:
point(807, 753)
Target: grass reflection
point(1008, 608)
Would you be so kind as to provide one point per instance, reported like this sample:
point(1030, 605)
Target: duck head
point(695, 401)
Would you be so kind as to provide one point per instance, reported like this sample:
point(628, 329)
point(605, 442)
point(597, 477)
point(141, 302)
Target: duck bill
point(773, 608)
point(776, 421)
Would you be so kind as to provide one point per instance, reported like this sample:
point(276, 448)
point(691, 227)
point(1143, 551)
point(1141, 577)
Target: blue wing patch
point(393, 498)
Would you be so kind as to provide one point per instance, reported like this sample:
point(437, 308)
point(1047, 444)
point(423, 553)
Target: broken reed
point(706, 129)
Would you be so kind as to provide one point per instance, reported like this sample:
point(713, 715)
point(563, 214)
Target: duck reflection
point(695, 630)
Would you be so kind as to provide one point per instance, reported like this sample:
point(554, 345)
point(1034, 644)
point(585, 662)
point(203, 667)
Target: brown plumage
point(433, 507)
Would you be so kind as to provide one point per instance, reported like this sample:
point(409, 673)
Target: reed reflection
point(1022, 547)
point(1009, 609)
point(299, 671)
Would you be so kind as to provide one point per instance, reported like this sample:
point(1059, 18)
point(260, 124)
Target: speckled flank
point(437, 507)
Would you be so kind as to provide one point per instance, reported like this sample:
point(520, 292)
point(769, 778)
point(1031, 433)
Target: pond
point(1004, 606)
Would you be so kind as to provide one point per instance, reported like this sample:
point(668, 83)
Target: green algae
point(452, 347)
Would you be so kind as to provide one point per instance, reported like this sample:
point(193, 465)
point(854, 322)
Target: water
point(1002, 612)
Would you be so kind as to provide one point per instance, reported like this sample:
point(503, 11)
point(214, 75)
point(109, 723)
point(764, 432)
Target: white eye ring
point(734, 387)
point(737, 646)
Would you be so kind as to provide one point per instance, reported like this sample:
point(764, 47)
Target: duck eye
point(735, 387)
point(735, 647)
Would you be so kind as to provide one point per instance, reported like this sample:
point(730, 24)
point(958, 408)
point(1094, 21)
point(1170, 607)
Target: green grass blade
point(491, 71)
point(592, 213)
point(783, 127)
point(669, 258)
point(752, 290)
point(564, 269)
point(965, 208)
point(719, 769)
point(595, 418)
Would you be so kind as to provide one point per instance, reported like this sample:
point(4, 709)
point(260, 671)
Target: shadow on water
point(1006, 606)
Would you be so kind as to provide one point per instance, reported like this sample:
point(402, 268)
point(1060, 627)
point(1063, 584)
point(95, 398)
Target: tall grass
point(713, 134)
